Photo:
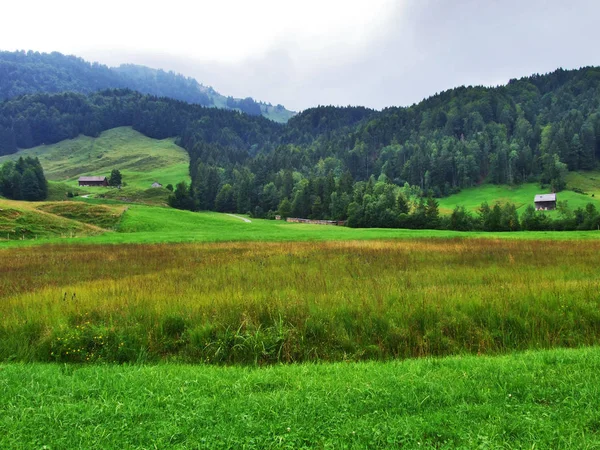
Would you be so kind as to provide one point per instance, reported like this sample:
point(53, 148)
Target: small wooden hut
point(545, 202)
point(93, 181)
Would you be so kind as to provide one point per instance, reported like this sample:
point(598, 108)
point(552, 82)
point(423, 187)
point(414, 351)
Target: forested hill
point(23, 73)
point(329, 162)
point(468, 135)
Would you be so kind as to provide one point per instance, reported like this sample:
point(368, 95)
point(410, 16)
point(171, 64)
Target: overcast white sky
point(304, 53)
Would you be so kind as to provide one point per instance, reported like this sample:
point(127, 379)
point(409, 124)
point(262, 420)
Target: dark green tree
point(285, 208)
point(182, 198)
point(115, 178)
point(460, 220)
point(225, 201)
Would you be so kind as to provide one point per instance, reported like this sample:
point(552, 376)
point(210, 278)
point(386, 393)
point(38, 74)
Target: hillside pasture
point(103, 216)
point(522, 195)
point(140, 159)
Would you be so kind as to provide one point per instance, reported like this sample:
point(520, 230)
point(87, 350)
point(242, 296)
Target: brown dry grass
point(298, 301)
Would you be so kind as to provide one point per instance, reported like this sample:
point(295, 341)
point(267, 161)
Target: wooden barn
point(93, 181)
point(545, 202)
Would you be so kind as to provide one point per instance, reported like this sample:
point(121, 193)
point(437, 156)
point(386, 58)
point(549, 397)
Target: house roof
point(545, 198)
point(92, 178)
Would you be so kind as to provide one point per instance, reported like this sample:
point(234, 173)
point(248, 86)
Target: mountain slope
point(28, 73)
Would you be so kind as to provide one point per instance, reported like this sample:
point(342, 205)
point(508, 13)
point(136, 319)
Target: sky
point(303, 53)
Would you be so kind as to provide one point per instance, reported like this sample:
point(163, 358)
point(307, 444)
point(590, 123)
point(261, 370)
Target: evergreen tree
point(460, 220)
point(23, 180)
point(225, 201)
point(30, 188)
point(285, 208)
point(317, 209)
point(553, 172)
point(432, 213)
point(115, 178)
point(182, 198)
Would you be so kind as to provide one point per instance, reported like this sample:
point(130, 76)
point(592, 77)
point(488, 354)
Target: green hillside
point(140, 159)
point(45, 220)
point(523, 195)
point(102, 216)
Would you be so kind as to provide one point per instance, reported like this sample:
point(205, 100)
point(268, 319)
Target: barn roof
point(92, 178)
point(545, 198)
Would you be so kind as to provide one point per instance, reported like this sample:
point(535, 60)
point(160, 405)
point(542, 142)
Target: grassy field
point(545, 400)
point(58, 190)
point(523, 195)
point(259, 303)
point(140, 159)
point(144, 224)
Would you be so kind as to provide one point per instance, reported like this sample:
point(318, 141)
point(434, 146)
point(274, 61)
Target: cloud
point(397, 54)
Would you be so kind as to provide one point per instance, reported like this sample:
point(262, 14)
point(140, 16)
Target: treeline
point(23, 180)
point(505, 218)
point(49, 118)
point(367, 204)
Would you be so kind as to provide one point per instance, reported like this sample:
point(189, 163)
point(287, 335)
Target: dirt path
point(241, 218)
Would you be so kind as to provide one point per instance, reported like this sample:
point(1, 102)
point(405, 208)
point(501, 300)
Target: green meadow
point(45, 223)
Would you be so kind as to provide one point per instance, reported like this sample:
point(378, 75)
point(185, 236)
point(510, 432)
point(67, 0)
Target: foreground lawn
point(546, 399)
point(263, 303)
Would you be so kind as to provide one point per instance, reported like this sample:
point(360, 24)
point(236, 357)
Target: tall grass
point(259, 303)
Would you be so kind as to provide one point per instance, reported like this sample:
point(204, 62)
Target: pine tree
point(225, 199)
point(115, 178)
point(30, 188)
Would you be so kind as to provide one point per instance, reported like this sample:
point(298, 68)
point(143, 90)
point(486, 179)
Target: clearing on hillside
point(522, 195)
point(140, 159)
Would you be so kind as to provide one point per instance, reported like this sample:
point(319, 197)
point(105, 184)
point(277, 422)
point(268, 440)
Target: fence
point(340, 223)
